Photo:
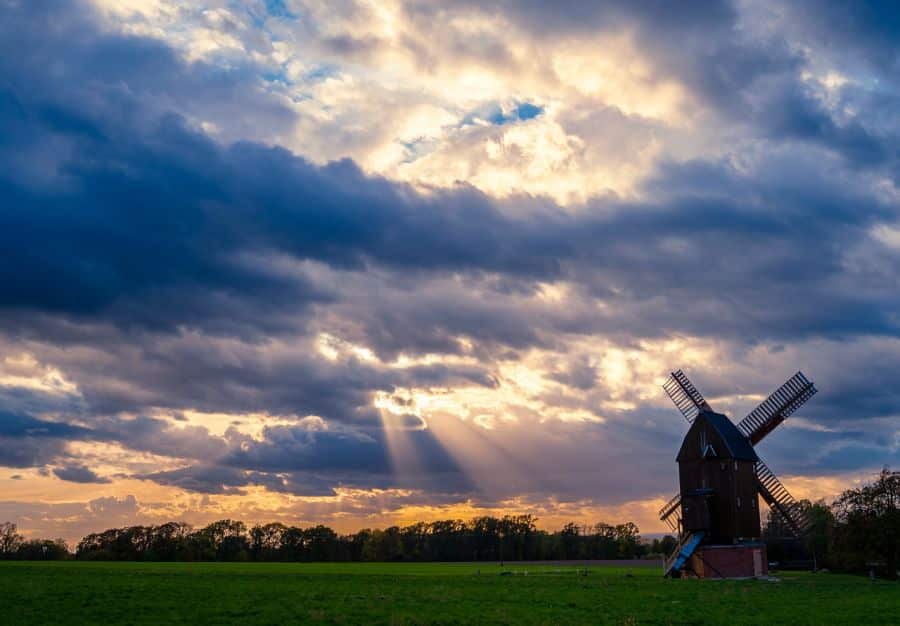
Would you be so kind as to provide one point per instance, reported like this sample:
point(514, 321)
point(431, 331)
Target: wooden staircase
point(682, 552)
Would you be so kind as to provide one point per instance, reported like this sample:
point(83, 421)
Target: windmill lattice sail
point(685, 396)
point(780, 500)
point(777, 407)
point(671, 513)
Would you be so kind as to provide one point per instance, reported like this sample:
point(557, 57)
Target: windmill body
point(721, 477)
point(717, 475)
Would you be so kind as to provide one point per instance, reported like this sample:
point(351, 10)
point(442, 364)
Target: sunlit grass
point(420, 593)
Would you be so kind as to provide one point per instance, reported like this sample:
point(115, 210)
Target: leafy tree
point(267, 542)
point(628, 540)
point(781, 544)
point(667, 544)
point(819, 539)
point(322, 544)
point(569, 536)
point(868, 525)
point(43, 549)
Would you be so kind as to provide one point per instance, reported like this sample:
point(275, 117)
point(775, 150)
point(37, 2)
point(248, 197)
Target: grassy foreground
point(431, 593)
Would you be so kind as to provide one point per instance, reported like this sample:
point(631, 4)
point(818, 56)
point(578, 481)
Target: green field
point(430, 593)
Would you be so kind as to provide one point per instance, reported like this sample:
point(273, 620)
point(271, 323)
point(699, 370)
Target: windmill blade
point(780, 500)
point(671, 513)
point(777, 407)
point(685, 396)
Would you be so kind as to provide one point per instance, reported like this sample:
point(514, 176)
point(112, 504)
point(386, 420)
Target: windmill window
point(739, 502)
point(722, 465)
point(735, 466)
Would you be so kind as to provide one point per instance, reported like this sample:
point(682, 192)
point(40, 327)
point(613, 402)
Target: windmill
point(721, 476)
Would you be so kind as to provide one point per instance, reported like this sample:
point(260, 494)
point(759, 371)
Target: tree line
point(858, 532)
point(509, 538)
point(14, 546)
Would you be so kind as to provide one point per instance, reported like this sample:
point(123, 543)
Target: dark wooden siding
point(747, 513)
point(718, 493)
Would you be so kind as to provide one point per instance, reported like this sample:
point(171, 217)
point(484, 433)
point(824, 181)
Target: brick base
point(747, 560)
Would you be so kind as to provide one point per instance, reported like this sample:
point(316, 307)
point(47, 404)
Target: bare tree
point(10, 539)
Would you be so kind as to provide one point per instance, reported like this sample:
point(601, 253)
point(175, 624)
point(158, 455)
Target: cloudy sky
point(363, 263)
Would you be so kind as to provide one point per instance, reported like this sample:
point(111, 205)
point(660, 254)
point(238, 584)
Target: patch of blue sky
point(273, 9)
point(276, 76)
point(528, 111)
point(321, 72)
point(416, 148)
point(298, 85)
point(277, 8)
point(495, 115)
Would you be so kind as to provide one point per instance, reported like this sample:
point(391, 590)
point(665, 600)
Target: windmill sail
point(685, 396)
point(778, 498)
point(671, 513)
point(777, 407)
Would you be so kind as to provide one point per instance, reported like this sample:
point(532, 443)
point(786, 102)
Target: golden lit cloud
point(24, 371)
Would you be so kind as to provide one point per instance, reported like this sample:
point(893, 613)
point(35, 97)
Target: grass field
point(430, 593)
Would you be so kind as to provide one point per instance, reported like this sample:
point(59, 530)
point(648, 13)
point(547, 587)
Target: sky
point(368, 263)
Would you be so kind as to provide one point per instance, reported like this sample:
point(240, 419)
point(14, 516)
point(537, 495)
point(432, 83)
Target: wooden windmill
point(716, 513)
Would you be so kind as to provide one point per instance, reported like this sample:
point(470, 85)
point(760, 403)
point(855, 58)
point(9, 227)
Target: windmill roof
point(739, 446)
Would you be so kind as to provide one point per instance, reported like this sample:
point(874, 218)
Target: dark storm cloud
point(138, 372)
point(103, 75)
point(304, 460)
point(108, 231)
point(214, 479)
point(143, 433)
point(221, 479)
point(301, 459)
point(22, 401)
point(29, 451)
point(796, 449)
point(865, 29)
point(159, 436)
point(293, 448)
point(152, 225)
point(17, 425)
point(26, 441)
point(78, 474)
